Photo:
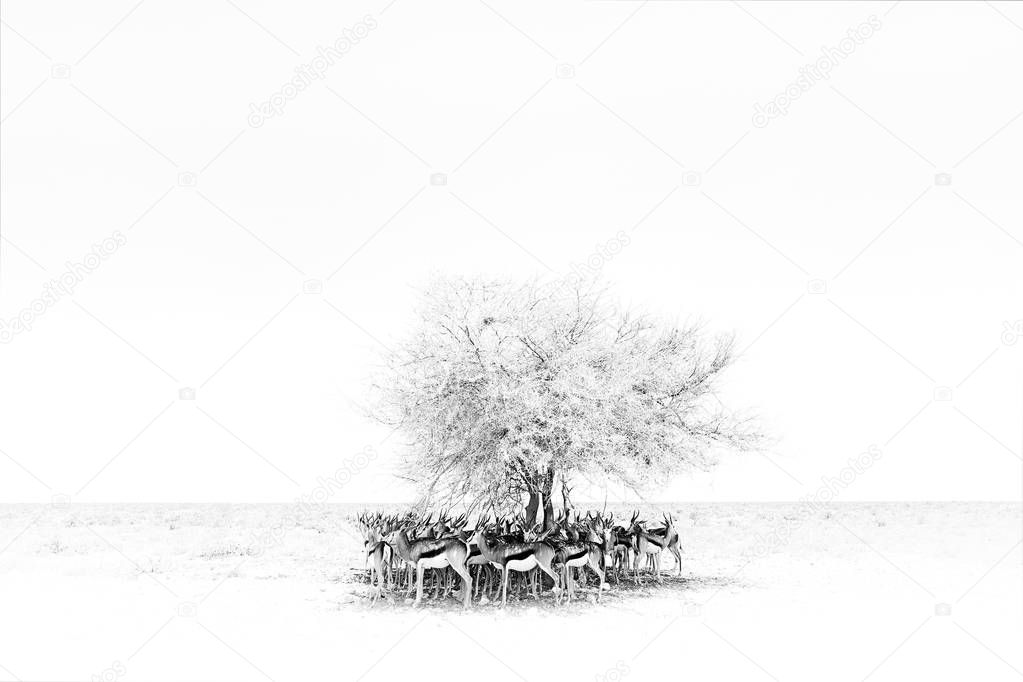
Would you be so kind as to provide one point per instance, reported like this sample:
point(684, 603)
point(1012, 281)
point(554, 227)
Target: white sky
point(208, 290)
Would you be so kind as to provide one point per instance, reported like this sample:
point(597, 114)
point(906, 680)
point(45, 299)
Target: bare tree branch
point(502, 387)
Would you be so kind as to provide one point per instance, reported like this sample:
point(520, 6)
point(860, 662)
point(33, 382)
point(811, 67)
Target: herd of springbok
point(489, 553)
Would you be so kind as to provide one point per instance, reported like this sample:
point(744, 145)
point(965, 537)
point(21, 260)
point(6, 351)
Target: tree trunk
point(531, 507)
point(541, 495)
point(566, 492)
point(548, 499)
point(548, 512)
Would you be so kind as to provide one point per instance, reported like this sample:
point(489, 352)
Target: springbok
point(508, 546)
point(435, 553)
point(378, 556)
point(669, 533)
point(587, 552)
point(377, 553)
point(620, 547)
point(650, 545)
point(516, 556)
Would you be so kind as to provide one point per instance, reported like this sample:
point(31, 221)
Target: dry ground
point(135, 592)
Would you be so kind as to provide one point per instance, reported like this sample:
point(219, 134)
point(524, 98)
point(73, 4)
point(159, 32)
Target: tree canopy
point(506, 389)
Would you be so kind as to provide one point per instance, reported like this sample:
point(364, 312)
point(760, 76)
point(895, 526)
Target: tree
point(506, 389)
